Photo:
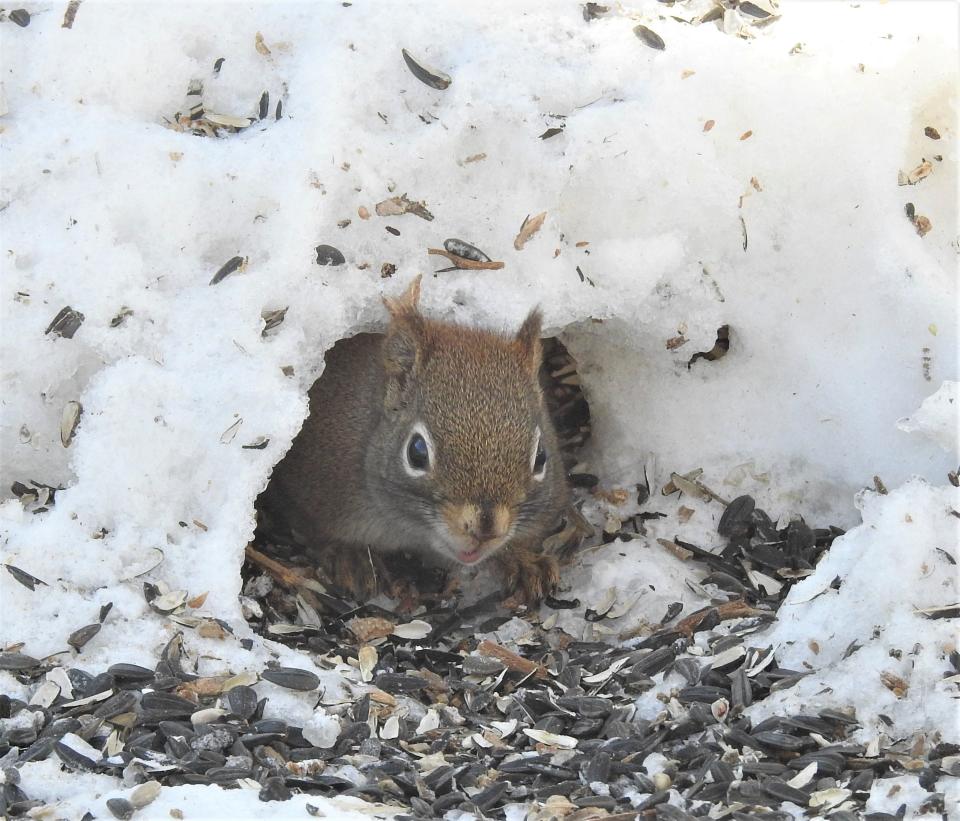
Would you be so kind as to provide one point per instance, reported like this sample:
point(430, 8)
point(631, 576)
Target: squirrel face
point(465, 448)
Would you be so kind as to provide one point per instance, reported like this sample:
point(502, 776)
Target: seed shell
point(426, 74)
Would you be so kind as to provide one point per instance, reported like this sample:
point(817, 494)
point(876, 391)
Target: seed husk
point(26, 579)
point(272, 319)
point(426, 74)
point(70, 14)
point(233, 264)
point(529, 227)
point(121, 808)
point(65, 323)
point(69, 420)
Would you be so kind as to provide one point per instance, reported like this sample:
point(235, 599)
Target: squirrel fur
point(432, 436)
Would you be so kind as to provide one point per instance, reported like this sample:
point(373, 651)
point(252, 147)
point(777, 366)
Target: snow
point(842, 318)
point(911, 533)
point(72, 794)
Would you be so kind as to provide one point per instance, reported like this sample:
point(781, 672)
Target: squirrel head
point(465, 450)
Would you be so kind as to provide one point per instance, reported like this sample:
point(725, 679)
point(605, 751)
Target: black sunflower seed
point(17, 661)
point(736, 518)
point(658, 797)
point(130, 673)
point(782, 791)
point(704, 694)
point(78, 638)
point(292, 678)
point(166, 705)
point(598, 768)
point(776, 740)
point(273, 788)
point(328, 255)
point(73, 760)
point(121, 808)
point(394, 683)
point(264, 107)
point(654, 662)
point(649, 37)
point(242, 701)
point(123, 702)
point(21, 17)
point(460, 248)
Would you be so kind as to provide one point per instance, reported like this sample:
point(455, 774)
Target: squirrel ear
point(527, 340)
point(406, 304)
point(401, 347)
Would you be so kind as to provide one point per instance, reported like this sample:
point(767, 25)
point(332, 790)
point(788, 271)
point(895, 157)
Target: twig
point(283, 574)
point(463, 262)
point(510, 659)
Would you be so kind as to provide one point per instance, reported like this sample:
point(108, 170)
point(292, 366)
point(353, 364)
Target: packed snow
point(783, 219)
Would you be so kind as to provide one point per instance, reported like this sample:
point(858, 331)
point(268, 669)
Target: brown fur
point(344, 490)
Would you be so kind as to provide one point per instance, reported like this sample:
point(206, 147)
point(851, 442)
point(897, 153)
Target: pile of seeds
point(473, 710)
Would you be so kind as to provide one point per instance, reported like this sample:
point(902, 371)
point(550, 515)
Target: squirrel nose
point(484, 522)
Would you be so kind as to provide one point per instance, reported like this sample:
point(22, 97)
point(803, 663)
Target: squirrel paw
point(357, 573)
point(528, 576)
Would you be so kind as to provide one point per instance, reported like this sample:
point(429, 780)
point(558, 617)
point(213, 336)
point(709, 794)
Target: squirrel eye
point(539, 459)
point(418, 453)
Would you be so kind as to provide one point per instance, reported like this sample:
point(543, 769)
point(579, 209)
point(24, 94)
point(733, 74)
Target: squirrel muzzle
point(476, 531)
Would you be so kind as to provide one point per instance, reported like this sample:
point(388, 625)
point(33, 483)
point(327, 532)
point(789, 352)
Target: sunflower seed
point(782, 791)
point(78, 638)
point(121, 808)
point(328, 255)
point(242, 701)
point(649, 37)
point(460, 248)
point(292, 678)
point(21, 17)
point(17, 661)
point(395, 683)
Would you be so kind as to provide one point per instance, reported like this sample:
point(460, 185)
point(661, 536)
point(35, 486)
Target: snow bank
point(862, 637)
point(842, 318)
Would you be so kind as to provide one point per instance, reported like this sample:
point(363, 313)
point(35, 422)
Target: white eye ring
point(538, 476)
point(417, 432)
